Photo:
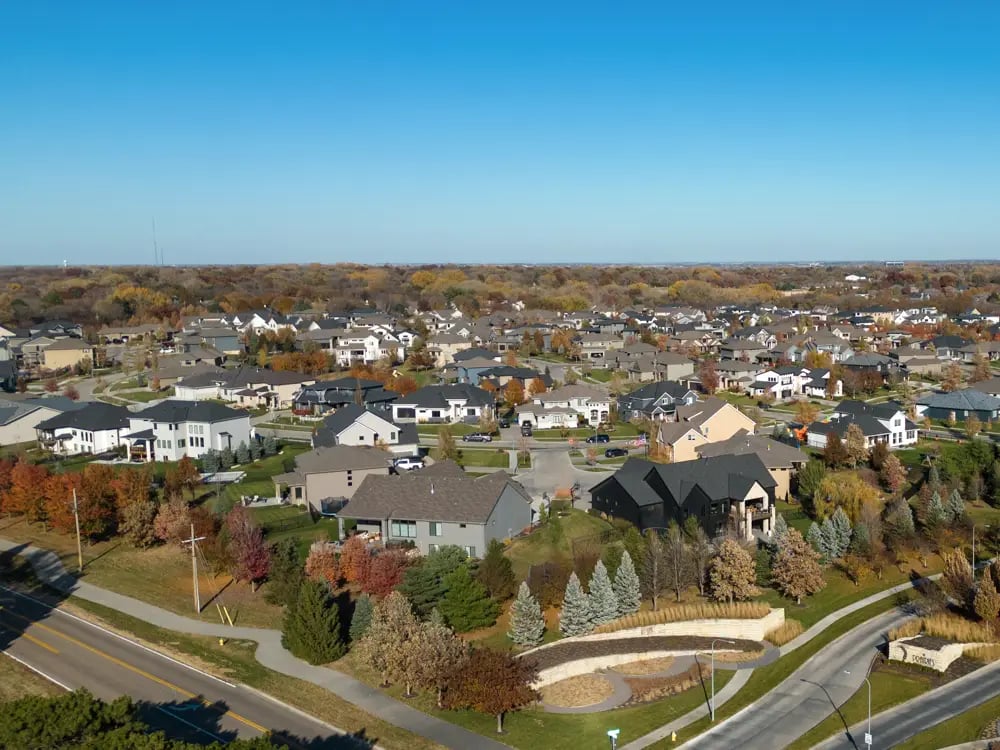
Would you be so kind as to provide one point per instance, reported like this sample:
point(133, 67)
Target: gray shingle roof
point(967, 399)
point(341, 458)
point(94, 417)
point(421, 497)
point(435, 396)
point(175, 410)
point(772, 453)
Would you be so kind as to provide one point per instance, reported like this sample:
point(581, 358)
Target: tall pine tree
point(956, 506)
point(829, 541)
point(842, 527)
point(527, 625)
point(466, 604)
point(936, 513)
point(628, 590)
point(285, 576)
point(362, 617)
point(312, 625)
point(603, 602)
point(575, 617)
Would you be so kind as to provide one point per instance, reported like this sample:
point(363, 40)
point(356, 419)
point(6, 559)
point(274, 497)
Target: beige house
point(65, 353)
point(782, 461)
point(444, 347)
point(325, 478)
point(701, 423)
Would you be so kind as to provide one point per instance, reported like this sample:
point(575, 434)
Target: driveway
point(552, 469)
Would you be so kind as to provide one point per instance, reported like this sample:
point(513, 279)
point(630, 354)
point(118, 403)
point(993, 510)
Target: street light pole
point(868, 733)
point(714, 641)
point(79, 542)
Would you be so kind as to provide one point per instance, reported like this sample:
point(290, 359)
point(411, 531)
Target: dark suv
point(599, 439)
point(615, 452)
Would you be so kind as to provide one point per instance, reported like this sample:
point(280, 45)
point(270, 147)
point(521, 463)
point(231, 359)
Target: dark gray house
point(332, 394)
point(432, 510)
point(722, 491)
point(959, 405)
point(657, 400)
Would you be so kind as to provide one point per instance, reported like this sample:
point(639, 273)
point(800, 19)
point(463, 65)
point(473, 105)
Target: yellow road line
point(32, 638)
point(141, 672)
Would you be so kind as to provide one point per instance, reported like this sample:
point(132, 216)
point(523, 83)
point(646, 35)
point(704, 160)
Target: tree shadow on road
point(836, 708)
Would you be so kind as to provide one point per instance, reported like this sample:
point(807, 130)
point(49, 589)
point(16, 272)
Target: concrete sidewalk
point(270, 653)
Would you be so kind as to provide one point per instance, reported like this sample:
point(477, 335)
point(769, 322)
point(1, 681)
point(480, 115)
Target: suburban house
point(444, 346)
point(434, 511)
point(592, 405)
point(990, 386)
point(66, 353)
point(781, 459)
point(736, 375)
point(655, 401)
point(172, 429)
point(326, 395)
point(325, 478)
point(881, 423)
point(709, 421)
point(958, 406)
point(658, 366)
point(364, 426)
point(365, 346)
point(722, 492)
point(444, 404)
point(745, 349)
point(543, 417)
point(19, 417)
point(470, 370)
point(597, 348)
point(245, 386)
point(96, 427)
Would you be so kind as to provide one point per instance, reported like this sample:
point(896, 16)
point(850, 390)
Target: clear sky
point(470, 131)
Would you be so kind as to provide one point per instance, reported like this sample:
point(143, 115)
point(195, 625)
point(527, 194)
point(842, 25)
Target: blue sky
point(472, 132)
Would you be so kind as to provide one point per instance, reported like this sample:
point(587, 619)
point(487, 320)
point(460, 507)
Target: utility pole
point(79, 542)
point(194, 567)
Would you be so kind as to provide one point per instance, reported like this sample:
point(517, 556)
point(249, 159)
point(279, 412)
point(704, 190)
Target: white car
point(408, 463)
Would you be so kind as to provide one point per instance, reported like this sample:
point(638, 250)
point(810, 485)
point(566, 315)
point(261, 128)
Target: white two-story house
point(96, 428)
point(880, 423)
point(591, 404)
point(172, 429)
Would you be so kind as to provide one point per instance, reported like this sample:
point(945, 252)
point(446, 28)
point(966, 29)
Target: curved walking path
point(790, 684)
point(270, 653)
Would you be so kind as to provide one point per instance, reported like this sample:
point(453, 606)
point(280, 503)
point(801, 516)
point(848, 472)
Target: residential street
point(898, 724)
point(807, 696)
point(186, 702)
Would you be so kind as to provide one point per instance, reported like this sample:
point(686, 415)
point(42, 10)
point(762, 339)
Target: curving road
point(807, 696)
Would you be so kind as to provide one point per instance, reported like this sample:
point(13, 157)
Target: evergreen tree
point(936, 513)
point(780, 530)
point(466, 604)
point(270, 446)
point(830, 542)
point(628, 590)
point(423, 583)
point(242, 454)
point(956, 506)
point(362, 617)
point(861, 540)
point(286, 573)
point(842, 525)
point(575, 617)
point(815, 538)
point(210, 461)
point(934, 477)
point(496, 573)
point(226, 459)
point(603, 602)
point(527, 625)
point(312, 625)
point(256, 450)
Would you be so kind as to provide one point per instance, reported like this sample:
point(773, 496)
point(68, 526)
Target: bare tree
point(654, 579)
point(677, 560)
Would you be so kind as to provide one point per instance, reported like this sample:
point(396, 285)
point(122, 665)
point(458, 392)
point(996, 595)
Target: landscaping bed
point(644, 667)
point(585, 690)
point(567, 651)
point(648, 689)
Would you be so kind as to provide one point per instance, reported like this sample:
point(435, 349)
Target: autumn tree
point(249, 555)
point(973, 426)
point(677, 560)
point(700, 550)
point(386, 647)
point(951, 377)
point(856, 445)
point(536, 386)
point(806, 412)
point(987, 600)
point(71, 392)
point(980, 369)
point(439, 654)
point(57, 492)
point(355, 559)
point(311, 628)
point(385, 572)
point(893, 474)
point(173, 521)
point(834, 452)
point(708, 376)
point(513, 392)
point(654, 573)
point(136, 506)
point(322, 563)
point(796, 571)
point(956, 579)
point(732, 574)
point(494, 683)
point(843, 490)
point(446, 447)
point(26, 497)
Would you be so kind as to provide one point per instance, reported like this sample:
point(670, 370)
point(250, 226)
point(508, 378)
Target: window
point(436, 529)
point(433, 548)
point(392, 436)
point(181, 443)
point(461, 526)
point(361, 438)
point(298, 493)
point(403, 529)
point(470, 551)
point(435, 414)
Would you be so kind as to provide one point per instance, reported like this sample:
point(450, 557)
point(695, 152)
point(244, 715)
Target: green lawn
point(484, 457)
point(795, 517)
point(291, 521)
point(258, 474)
point(601, 376)
point(455, 429)
point(147, 396)
point(305, 429)
point(765, 679)
point(543, 546)
point(965, 727)
point(125, 385)
point(888, 689)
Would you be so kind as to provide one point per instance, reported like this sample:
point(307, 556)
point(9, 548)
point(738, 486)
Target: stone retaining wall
point(594, 663)
point(749, 630)
point(940, 658)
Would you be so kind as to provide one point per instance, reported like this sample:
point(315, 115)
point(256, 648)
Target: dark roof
point(422, 497)
point(719, 477)
point(887, 410)
point(94, 416)
point(433, 396)
point(653, 391)
point(341, 458)
point(968, 399)
point(173, 410)
point(772, 453)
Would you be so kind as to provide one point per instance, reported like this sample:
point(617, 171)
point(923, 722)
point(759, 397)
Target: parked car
point(504, 422)
point(615, 452)
point(599, 439)
point(526, 429)
point(477, 437)
point(408, 463)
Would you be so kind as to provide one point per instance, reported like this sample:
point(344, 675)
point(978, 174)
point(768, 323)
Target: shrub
point(945, 625)
point(684, 612)
point(787, 631)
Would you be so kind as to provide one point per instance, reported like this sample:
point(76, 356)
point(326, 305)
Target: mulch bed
point(573, 650)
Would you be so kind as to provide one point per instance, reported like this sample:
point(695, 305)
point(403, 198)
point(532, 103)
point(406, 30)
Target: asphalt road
point(184, 702)
point(895, 726)
point(807, 696)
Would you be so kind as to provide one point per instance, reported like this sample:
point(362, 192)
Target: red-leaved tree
point(26, 494)
point(250, 557)
point(322, 564)
point(355, 560)
point(385, 573)
point(492, 682)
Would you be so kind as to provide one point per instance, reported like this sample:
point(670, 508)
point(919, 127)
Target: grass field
point(888, 689)
point(17, 681)
point(542, 546)
point(455, 429)
point(258, 479)
point(146, 396)
point(484, 457)
point(965, 727)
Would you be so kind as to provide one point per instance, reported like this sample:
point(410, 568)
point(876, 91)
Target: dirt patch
point(648, 689)
point(585, 690)
point(568, 651)
point(649, 666)
point(737, 657)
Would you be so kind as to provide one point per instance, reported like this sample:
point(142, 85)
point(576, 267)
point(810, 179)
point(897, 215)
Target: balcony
point(760, 515)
